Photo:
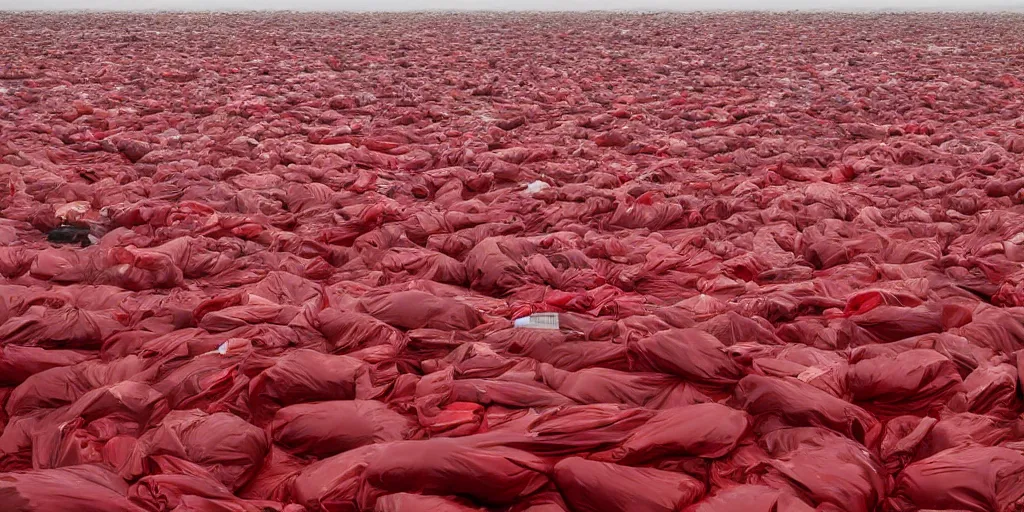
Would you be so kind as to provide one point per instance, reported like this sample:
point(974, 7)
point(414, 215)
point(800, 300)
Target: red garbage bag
point(893, 323)
point(601, 385)
point(471, 466)
point(991, 389)
point(209, 380)
point(796, 403)
point(19, 363)
point(64, 384)
point(559, 349)
point(691, 354)
point(703, 430)
point(974, 478)
point(423, 264)
point(224, 445)
point(90, 429)
point(915, 381)
point(544, 501)
point(495, 265)
point(822, 468)
point(755, 498)
point(301, 376)
point(275, 478)
point(189, 492)
point(590, 486)
point(67, 327)
point(963, 429)
point(405, 502)
point(326, 428)
point(348, 330)
point(338, 483)
point(86, 488)
point(250, 314)
point(415, 309)
point(575, 429)
point(506, 393)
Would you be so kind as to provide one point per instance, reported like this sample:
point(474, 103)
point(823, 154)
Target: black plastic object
point(70, 235)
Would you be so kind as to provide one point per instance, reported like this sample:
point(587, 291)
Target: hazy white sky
point(509, 5)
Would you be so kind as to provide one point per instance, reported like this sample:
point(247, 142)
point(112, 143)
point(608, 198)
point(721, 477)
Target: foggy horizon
point(506, 6)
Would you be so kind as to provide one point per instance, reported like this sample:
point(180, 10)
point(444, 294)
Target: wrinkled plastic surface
point(784, 253)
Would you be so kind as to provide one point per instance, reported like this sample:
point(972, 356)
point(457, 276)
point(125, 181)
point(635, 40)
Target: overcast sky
point(505, 5)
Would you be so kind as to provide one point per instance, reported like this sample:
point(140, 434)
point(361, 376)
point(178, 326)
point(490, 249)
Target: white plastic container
point(538, 321)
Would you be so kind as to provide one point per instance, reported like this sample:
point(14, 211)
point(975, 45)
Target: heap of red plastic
point(786, 253)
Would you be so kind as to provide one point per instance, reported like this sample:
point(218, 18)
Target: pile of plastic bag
point(518, 263)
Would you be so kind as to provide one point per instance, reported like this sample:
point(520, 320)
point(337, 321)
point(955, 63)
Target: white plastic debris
point(222, 349)
point(536, 186)
point(72, 210)
point(538, 321)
